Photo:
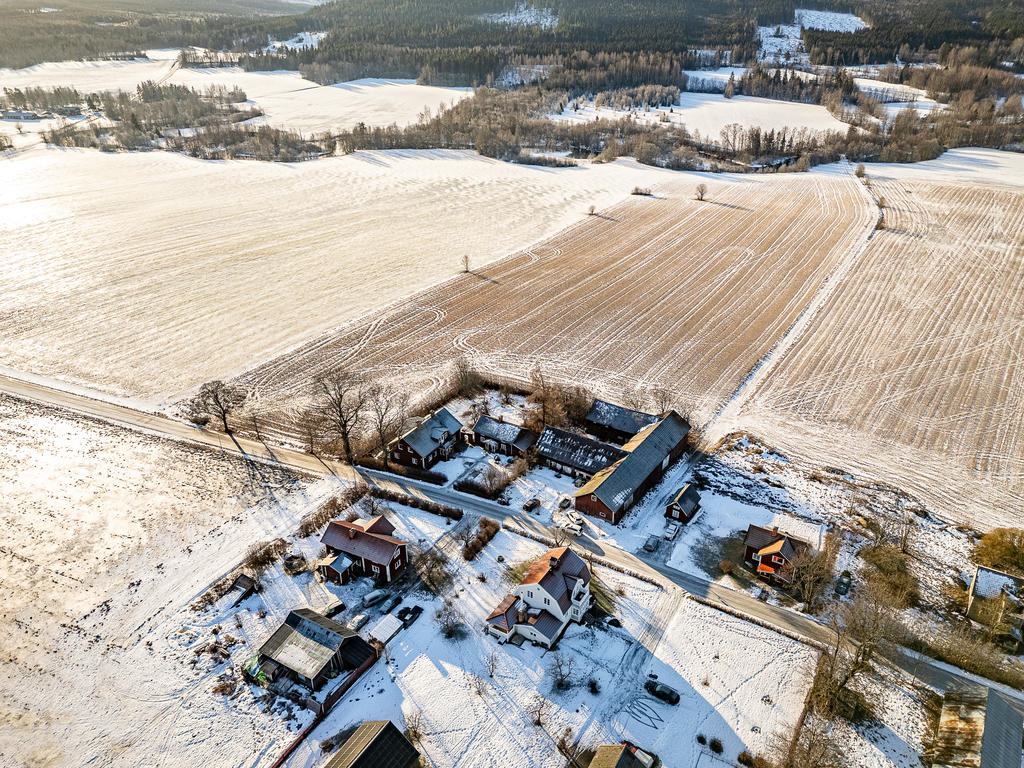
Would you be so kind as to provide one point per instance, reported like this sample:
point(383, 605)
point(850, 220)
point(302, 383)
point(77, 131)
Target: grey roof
point(559, 580)
point(504, 432)
point(354, 539)
point(615, 486)
point(375, 744)
point(978, 722)
point(618, 418)
point(583, 453)
point(429, 434)
point(504, 615)
point(687, 499)
point(306, 642)
point(544, 622)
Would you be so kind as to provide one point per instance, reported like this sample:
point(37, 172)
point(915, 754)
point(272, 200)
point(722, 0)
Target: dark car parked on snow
point(662, 691)
point(531, 505)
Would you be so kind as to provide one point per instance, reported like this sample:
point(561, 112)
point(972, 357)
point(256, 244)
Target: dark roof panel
point(426, 437)
point(375, 744)
point(620, 419)
point(577, 451)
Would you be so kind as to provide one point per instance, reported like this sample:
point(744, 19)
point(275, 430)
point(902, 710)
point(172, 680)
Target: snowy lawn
point(92, 76)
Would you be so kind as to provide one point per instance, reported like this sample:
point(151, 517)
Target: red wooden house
point(369, 545)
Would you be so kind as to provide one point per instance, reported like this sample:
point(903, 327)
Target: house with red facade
point(684, 505)
point(612, 491)
point(369, 548)
point(432, 440)
point(770, 551)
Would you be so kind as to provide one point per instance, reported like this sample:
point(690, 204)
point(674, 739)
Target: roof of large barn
point(977, 727)
point(619, 418)
point(430, 433)
point(375, 744)
point(615, 485)
point(306, 641)
point(577, 451)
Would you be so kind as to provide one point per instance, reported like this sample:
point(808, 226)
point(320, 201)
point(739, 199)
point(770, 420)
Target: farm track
point(654, 292)
point(913, 367)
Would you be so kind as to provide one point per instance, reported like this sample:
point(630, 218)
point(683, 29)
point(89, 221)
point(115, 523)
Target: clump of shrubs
point(262, 555)
point(486, 530)
point(452, 513)
point(701, 739)
point(891, 574)
point(330, 509)
point(715, 745)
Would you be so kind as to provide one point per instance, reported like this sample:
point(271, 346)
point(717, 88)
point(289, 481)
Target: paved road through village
point(931, 672)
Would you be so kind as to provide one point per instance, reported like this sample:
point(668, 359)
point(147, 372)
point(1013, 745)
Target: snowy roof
point(306, 642)
point(796, 528)
point(386, 628)
point(583, 453)
point(614, 756)
point(354, 539)
point(556, 572)
point(504, 432)
point(616, 485)
point(432, 432)
point(618, 418)
point(991, 583)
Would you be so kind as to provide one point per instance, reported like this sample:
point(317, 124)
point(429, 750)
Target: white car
point(357, 622)
point(574, 517)
point(575, 529)
point(671, 531)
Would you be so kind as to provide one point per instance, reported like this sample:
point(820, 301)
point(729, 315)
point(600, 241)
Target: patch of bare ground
point(667, 292)
point(912, 369)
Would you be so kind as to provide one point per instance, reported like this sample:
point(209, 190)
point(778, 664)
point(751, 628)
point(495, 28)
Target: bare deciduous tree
point(491, 663)
point(342, 403)
point(217, 400)
point(812, 571)
point(387, 409)
point(467, 380)
point(562, 668)
point(538, 706)
point(701, 191)
point(310, 424)
point(448, 620)
point(465, 262)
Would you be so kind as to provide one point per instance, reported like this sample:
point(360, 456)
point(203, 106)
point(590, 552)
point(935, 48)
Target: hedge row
point(434, 478)
point(330, 509)
point(478, 489)
point(486, 529)
point(452, 513)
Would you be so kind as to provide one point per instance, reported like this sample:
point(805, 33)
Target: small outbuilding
point(502, 437)
point(684, 505)
point(376, 744)
point(311, 648)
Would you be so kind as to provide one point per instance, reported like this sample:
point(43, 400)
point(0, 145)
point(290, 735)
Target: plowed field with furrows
point(913, 366)
point(656, 291)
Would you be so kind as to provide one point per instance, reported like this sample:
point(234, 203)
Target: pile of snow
point(525, 16)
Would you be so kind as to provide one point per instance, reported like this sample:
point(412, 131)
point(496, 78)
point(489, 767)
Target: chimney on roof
point(553, 563)
point(352, 533)
point(521, 616)
point(775, 530)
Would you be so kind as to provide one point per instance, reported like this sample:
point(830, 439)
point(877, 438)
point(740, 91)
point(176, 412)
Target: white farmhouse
point(555, 591)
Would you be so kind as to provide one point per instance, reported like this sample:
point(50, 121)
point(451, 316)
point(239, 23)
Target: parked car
point(358, 622)
point(662, 691)
point(573, 529)
point(372, 598)
point(531, 505)
point(334, 609)
point(408, 614)
point(564, 503)
point(644, 758)
point(503, 501)
point(843, 583)
point(574, 517)
point(651, 544)
point(613, 622)
point(395, 602)
point(671, 531)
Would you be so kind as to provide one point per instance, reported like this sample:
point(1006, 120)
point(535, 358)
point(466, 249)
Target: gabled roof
point(577, 451)
point(614, 756)
point(977, 727)
point(687, 499)
point(989, 582)
point(782, 546)
point(615, 485)
point(306, 642)
point(544, 622)
point(504, 432)
point(504, 615)
point(377, 524)
point(620, 419)
point(376, 547)
point(797, 530)
point(430, 433)
point(375, 744)
point(560, 579)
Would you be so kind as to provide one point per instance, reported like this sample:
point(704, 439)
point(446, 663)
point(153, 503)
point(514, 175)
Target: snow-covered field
point(783, 43)
point(110, 535)
point(222, 264)
point(524, 15)
point(288, 100)
point(92, 76)
point(708, 113)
